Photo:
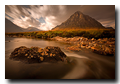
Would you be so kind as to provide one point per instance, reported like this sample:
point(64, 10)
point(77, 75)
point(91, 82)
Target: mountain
point(30, 29)
point(79, 21)
point(10, 27)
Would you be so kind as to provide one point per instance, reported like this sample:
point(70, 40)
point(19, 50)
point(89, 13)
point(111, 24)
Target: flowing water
point(83, 64)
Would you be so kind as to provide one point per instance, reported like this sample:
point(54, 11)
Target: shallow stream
point(84, 64)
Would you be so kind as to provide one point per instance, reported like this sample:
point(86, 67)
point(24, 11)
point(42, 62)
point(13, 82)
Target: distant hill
point(79, 20)
point(30, 29)
point(11, 28)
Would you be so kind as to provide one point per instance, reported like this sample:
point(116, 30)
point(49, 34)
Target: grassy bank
point(88, 33)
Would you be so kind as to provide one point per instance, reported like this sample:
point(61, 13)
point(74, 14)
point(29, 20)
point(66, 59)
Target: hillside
point(12, 28)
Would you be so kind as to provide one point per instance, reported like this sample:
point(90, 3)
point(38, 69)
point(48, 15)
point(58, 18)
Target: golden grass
point(88, 33)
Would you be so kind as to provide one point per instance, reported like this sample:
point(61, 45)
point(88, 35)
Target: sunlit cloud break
point(46, 17)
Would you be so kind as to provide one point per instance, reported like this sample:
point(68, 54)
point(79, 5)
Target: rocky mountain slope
point(79, 20)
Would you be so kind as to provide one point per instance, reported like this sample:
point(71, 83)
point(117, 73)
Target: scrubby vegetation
point(88, 33)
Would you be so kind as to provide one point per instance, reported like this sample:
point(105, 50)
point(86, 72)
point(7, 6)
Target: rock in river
point(38, 55)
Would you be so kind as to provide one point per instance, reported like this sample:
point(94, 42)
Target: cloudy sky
point(46, 17)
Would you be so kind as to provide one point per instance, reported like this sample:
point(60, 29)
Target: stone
point(92, 39)
point(50, 54)
point(42, 54)
point(99, 39)
point(111, 39)
point(111, 43)
point(75, 48)
point(102, 50)
point(98, 46)
point(40, 50)
point(84, 43)
point(82, 46)
point(92, 48)
point(90, 44)
point(38, 55)
point(108, 50)
point(88, 47)
point(95, 44)
point(31, 56)
point(53, 54)
point(41, 58)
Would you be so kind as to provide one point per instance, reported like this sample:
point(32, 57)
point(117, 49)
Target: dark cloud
point(48, 16)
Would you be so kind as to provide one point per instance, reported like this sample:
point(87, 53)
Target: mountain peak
point(78, 12)
point(79, 20)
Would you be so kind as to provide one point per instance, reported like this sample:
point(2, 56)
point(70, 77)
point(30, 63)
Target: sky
point(46, 17)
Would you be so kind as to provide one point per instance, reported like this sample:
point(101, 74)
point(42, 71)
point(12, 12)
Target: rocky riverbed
point(38, 55)
point(103, 46)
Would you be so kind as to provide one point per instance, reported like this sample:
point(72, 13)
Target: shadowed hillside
point(12, 28)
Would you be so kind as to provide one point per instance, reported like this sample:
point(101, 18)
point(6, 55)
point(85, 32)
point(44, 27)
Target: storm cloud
point(46, 17)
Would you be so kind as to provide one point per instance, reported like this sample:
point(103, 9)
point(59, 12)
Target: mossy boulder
point(38, 55)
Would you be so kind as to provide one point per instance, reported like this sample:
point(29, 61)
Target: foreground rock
point(38, 55)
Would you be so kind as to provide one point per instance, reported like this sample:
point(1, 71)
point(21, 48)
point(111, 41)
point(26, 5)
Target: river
point(84, 64)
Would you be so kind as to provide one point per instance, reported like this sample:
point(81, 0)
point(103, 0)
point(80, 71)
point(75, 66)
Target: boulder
point(109, 51)
point(84, 43)
point(38, 55)
point(103, 51)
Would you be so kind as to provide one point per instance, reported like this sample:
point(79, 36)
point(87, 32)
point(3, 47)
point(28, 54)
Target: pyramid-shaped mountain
point(79, 21)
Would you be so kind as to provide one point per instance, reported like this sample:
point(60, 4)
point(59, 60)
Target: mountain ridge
point(12, 28)
point(79, 20)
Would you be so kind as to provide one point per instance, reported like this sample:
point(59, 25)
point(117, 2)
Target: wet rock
point(93, 39)
point(37, 55)
point(111, 43)
point(73, 48)
point(84, 43)
point(104, 46)
point(90, 44)
point(88, 47)
point(83, 46)
point(103, 50)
